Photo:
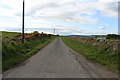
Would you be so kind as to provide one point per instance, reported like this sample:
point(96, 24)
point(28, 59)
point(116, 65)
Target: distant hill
point(87, 35)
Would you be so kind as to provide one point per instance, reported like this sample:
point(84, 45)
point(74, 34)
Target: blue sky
point(68, 17)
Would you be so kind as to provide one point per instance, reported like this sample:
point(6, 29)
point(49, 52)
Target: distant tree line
point(113, 36)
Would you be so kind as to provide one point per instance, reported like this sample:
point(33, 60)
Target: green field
point(106, 56)
point(9, 34)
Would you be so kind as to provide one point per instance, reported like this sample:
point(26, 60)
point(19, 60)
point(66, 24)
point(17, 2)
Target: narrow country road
point(56, 60)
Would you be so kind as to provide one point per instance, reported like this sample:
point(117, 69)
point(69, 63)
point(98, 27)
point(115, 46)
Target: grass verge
point(104, 55)
point(13, 53)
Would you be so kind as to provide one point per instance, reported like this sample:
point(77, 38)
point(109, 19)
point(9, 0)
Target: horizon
point(70, 17)
point(58, 34)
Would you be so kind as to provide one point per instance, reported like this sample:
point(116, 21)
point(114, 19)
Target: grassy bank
point(14, 52)
point(104, 55)
point(9, 34)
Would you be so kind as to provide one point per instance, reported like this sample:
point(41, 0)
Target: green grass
point(13, 53)
point(104, 55)
point(9, 34)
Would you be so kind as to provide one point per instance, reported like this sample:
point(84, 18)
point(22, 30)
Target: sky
point(68, 17)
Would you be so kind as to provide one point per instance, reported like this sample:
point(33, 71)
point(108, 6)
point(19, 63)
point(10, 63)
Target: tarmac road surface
point(56, 60)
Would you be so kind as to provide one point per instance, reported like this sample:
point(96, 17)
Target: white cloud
point(67, 12)
point(109, 9)
point(40, 12)
point(109, 0)
point(101, 27)
point(2, 29)
point(64, 10)
point(76, 33)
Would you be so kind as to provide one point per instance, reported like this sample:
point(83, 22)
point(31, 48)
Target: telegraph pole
point(23, 23)
point(54, 31)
